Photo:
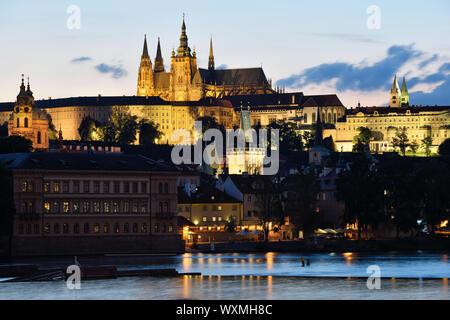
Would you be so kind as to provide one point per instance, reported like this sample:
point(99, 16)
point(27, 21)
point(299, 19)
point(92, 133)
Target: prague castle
point(187, 82)
point(175, 98)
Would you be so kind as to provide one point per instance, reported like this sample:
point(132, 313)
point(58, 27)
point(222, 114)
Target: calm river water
point(253, 276)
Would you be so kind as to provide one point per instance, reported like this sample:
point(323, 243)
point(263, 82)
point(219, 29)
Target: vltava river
point(254, 276)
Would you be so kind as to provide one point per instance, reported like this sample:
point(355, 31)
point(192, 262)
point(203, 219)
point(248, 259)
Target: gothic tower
point(185, 82)
point(211, 57)
point(159, 62)
point(395, 97)
point(405, 94)
point(145, 77)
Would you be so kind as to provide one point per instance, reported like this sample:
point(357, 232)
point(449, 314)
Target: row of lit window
point(97, 228)
point(205, 208)
point(64, 187)
point(213, 219)
point(95, 206)
point(394, 120)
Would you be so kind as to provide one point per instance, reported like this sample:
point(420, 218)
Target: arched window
point(25, 124)
point(166, 207)
point(329, 118)
point(335, 118)
point(18, 123)
point(314, 117)
point(161, 206)
point(305, 118)
point(166, 187)
point(160, 187)
point(39, 137)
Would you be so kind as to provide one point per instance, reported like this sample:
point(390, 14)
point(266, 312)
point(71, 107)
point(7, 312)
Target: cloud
point(116, 71)
point(81, 59)
point(428, 77)
point(344, 36)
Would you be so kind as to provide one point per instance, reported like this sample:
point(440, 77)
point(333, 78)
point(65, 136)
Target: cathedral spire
point(395, 85)
point(145, 51)
point(404, 94)
point(183, 49)
point(211, 56)
point(395, 95)
point(404, 89)
point(159, 62)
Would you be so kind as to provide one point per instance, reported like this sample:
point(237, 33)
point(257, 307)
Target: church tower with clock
point(28, 121)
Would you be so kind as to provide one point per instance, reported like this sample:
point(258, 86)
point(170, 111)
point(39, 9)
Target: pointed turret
point(145, 76)
point(145, 50)
point(395, 95)
point(29, 92)
point(22, 91)
point(211, 56)
point(318, 136)
point(405, 94)
point(25, 97)
point(159, 62)
point(183, 49)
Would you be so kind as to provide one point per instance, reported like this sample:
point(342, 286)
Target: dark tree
point(290, 140)
point(86, 128)
point(401, 141)
point(402, 194)
point(6, 202)
point(52, 133)
point(13, 144)
point(414, 146)
point(444, 148)
point(426, 145)
point(329, 143)
point(230, 225)
point(361, 142)
point(361, 191)
point(4, 129)
point(435, 183)
point(148, 132)
point(210, 123)
point(300, 195)
point(269, 204)
point(308, 138)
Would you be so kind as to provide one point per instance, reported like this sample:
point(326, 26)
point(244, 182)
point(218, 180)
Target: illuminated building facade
point(69, 203)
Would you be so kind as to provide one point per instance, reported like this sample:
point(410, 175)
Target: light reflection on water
point(226, 287)
point(253, 276)
point(342, 265)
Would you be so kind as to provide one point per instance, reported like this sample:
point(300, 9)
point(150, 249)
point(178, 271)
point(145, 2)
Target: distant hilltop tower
point(399, 98)
point(405, 94)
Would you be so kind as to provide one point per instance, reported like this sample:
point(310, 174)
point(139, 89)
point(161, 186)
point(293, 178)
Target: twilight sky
point(318, 47)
